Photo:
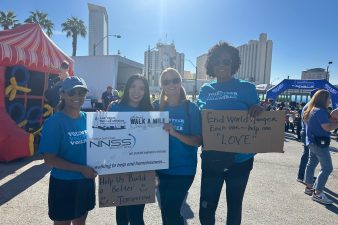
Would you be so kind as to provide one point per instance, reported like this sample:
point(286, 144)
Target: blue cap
point(73, 82)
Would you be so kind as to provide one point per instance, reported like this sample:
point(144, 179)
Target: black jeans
point(173, 190)
point(236, 179)
point(132, 214)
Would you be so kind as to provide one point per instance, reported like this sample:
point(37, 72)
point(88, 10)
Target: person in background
point(63, 145)
point(225, 93)
point(319, 125)
point(107, 97)
point(184, 130)
point(136, 97)
point(52, 93)
point(305, 156)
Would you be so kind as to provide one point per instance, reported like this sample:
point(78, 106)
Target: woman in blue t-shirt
point(63, 145)
point(225, 93)
point(184, 130)
point(136, 97)
point(319, 125)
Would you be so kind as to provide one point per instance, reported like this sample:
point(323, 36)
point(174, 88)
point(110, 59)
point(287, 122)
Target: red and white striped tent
point(29, 47)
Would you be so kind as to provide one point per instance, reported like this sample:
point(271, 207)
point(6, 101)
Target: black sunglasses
point(173, 81)
point(79, 92)
point(225, 62)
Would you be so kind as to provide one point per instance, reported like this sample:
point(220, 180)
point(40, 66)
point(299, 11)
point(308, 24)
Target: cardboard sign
point(122, 142)
point(127, 189)
point(235, 131)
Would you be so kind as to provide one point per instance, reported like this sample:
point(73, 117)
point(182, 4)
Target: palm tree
point(7, 20)
point(41, 18)
point(74, 27)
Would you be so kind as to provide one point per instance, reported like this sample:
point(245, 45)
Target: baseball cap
point(73, 82)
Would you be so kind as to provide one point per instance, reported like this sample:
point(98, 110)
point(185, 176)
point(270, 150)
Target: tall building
point(160, 58)
point(201, 70)
point(315, 74)
point(98, 30)
point(256, 57)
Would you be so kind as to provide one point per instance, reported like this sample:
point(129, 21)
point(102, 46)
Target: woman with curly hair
point(225, 93)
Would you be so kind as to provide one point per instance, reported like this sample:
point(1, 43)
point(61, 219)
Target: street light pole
point(327, 70)
point(195, 85)
point(95, 45)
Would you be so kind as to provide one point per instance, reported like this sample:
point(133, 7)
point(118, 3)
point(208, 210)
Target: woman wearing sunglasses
point(225, 93)
point(63, 145)
point(184, 131)
point(136, 97)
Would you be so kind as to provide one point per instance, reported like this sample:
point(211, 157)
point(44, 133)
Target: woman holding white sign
point(225, 93)
point(184, 131)
point(63, 145)
point(136, 97)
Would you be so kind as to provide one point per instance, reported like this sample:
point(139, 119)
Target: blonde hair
point(318, 100)
point(163, 97)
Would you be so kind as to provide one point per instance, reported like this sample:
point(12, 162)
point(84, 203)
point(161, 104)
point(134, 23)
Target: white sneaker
point(321, 198)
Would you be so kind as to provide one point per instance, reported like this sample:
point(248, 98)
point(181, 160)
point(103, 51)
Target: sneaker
point(308, 191)
point(321, 198)
point(300, 181)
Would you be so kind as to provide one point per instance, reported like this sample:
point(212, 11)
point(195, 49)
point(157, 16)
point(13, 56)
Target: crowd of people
point(72, 186)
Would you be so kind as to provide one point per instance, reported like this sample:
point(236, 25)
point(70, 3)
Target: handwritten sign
point(235, 131)
point(126, 189)
point(122, 142)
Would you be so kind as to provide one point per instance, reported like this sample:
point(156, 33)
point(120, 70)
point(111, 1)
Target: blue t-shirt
point(123, 108)
point(233, 94)
point(66, 138)
point(183, 157)
point(318, 116)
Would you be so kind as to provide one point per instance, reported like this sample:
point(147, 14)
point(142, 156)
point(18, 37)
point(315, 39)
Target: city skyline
point(303, 32)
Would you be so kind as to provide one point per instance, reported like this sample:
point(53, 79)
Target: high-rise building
point(201, 70)
point(315, 74)
point(160, 58)
point(256, 57)
point(98, 30)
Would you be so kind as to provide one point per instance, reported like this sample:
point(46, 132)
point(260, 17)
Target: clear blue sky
point(304, 32)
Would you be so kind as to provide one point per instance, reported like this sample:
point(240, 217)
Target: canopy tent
point(25, 50)
point(286, 84)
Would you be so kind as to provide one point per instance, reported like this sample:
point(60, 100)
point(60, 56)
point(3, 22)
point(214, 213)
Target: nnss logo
point(114, 143)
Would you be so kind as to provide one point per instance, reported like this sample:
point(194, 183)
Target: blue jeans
point(173, 190)
point(322, 156)
point(303, 161)
point(236, 179)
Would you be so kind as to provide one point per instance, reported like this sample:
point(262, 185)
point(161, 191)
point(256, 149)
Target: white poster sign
point(121, 142)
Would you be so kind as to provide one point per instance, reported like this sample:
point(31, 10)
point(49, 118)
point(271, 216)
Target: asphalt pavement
point(273, 196)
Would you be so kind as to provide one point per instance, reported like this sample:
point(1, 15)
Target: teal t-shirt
point(233, 94)
point(186, 119)
point(66, 138)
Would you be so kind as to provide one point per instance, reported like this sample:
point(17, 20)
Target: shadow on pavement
point(21, 182)
point(8, 168)
point(333, 149)
point(334, 197)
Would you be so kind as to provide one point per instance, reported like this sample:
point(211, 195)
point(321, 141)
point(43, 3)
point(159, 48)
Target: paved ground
point(273, 196)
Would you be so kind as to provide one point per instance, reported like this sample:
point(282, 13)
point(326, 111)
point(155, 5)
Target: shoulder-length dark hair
point(145, 103)
point(216, 51)
point(319, 100)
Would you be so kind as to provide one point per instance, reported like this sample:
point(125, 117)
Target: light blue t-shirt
point(186, 119)
point(66, 138)
point(318, 116)
point(233, 94)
